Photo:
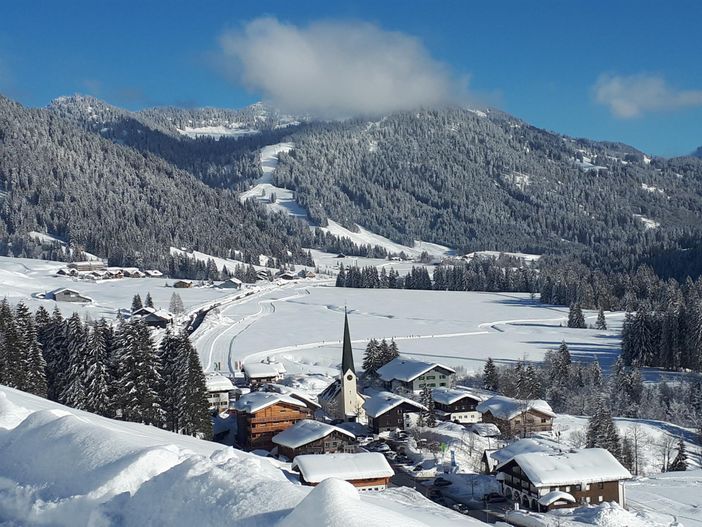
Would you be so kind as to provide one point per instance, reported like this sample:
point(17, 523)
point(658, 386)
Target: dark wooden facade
point(522, 425)
point(392, 419)
point(518, 488)
point(335, 442)
point(361, 484)
point(255, 430)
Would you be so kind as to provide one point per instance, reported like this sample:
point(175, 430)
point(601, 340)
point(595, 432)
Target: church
point(341, 400)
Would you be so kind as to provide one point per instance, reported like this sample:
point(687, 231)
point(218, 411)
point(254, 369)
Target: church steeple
point(347, 353)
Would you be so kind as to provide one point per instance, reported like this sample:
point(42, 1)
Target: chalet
point(132, 272)
point(219, 389)
point(287, 275)
point(64, 294)
point(262, 275)
point(492, 458)
point(341, 400)
point(365, 471)
point(457, 406)
point(258, 373)
point(182, 284)
point(313, 437)
point(409, 375)
point(311, 404)
point(67, 272)
point(517, 417)
point(90, 265)
point(388, 411)
point(306, 274)
point(231, 283)
point(262, 415)
point(541, 481)
point(155, 318)
point(153, 273)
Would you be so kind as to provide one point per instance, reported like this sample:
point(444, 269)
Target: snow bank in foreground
point(603, 515)
point(64, 467)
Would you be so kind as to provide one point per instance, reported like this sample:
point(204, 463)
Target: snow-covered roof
point(507, 408)
point(523, 446)
point(216, 382)
point(306, 431)
point(260, 370)
point(366, 465)
point(406, 370)
point(590, 465)
point(451, 395)
point(385, 401)
point(485, 429)
point(292, 392)
point(554, 496)
point(255, 401)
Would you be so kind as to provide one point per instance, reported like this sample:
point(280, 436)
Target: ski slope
point(65, 467)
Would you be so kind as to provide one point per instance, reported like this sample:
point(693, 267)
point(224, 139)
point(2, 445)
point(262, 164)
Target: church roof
point(347, 353)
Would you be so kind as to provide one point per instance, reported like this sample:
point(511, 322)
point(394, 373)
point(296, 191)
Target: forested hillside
point(117, 202)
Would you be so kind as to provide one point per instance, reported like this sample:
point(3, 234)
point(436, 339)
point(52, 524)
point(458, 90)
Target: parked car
point(462, 508)
point(494, 497)
point(392, 456)
point(442, 482)
point(382, 447)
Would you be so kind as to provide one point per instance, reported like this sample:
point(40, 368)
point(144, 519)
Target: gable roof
point(590, 465)
point(216, 382)
point(260, 370)
point(292, 392)
point(385, 401)
point(256, 401)
point(498, 457)
point(366, 465)
point(507, 408)
point(406, 370)
point(451, 395)
point(306, 431)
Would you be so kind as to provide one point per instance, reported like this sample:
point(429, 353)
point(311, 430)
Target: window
point(587, 500)
point(578, 488)
point(599, 498)
point(543, 419)
point(600, 485)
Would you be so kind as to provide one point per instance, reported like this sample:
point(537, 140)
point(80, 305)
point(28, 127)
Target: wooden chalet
point(365, 471)
point(262, 415)
point(540, 481)
point(231, 283)
point(517, 418)
point(258, 373)
point(313, 437)
point(182, 284)
point(64, 294)
point(311, 404)
point(155, 318)
point(388, 411)
point(403, 374)
point(457, 406)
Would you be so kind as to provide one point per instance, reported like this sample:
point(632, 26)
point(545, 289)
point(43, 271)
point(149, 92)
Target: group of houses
point(320, 437)
point(97, 270)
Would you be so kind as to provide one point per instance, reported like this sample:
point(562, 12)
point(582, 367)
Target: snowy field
point(301, 325)
point(64, 467)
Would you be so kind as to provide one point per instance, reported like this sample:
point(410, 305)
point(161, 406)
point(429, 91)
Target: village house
point(494, 457)
point(457, 406)
point(311, 404)
point(152, 317)
point(516, 417)
point(341, 400)
point(132, 272)
point(262, 415)
point(182, 284)
point(411, 376)
point(313, 437)
point(388, 411)
point(231, 283)
point(64, 294)
point(258, 373)
point(219, 390)
point(540, 481)
point(153, 273)
point(64, 271)
point(365, 471)
point(287, 275)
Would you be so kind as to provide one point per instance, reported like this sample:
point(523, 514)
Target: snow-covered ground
point(65, 467)
point(670, 495)
point(301, 325)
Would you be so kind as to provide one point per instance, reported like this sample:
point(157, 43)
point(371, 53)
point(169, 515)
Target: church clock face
point(349, 377)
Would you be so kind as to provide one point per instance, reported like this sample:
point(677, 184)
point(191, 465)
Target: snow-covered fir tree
point(74, 391)
point(97, 378)
point(371, 358)
point(576, 319)
point(601, 430)
point(601, 323)
point(148, 301)
point(175, 305)
point(680, 462)
point(136, 303)
point(194, 418)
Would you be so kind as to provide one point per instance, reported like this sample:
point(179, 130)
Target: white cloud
point(633, 95)
point(337, 68)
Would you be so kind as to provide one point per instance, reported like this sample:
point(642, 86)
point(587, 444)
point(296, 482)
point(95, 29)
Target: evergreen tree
point(136, 303)
point(576, 319)
point(149, 302)
point(341, 277)
point(12, 367)
point(54, 347)
point(372, 358)
point(97, 379)
point(601, 323)
point(175, 305)
point(601, 430)
point(74, 391)
point(194, 418)
point(33, 364)
point(173, 368)
point(427, 416)
point(491, 379)
point(680, 461)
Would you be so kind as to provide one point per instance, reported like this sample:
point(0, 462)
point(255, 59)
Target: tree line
point(116, 372)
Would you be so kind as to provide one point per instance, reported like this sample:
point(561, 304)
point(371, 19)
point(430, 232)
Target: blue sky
point(540, 61)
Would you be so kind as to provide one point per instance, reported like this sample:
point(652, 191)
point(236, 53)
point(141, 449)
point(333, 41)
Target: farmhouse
point(313, 437)
point(388, 411)
point(153, 273)
point(541, 481)
point(64, 294)
point(516, 417)
point(261, 415)
point(457, 406)
point(182, 284)
point(341, 400)
point(365, 471)
point(409, 375)
point(257, 373)
point(231, 283)
point(219, 389)
point(157, 318)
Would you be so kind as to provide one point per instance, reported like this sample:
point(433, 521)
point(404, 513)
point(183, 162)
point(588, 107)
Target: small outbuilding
point(231, 283)
point(365, 471)
point(258, 373)
point(182, 284)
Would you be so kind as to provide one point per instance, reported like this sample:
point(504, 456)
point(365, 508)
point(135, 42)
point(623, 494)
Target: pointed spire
point(347, 354)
